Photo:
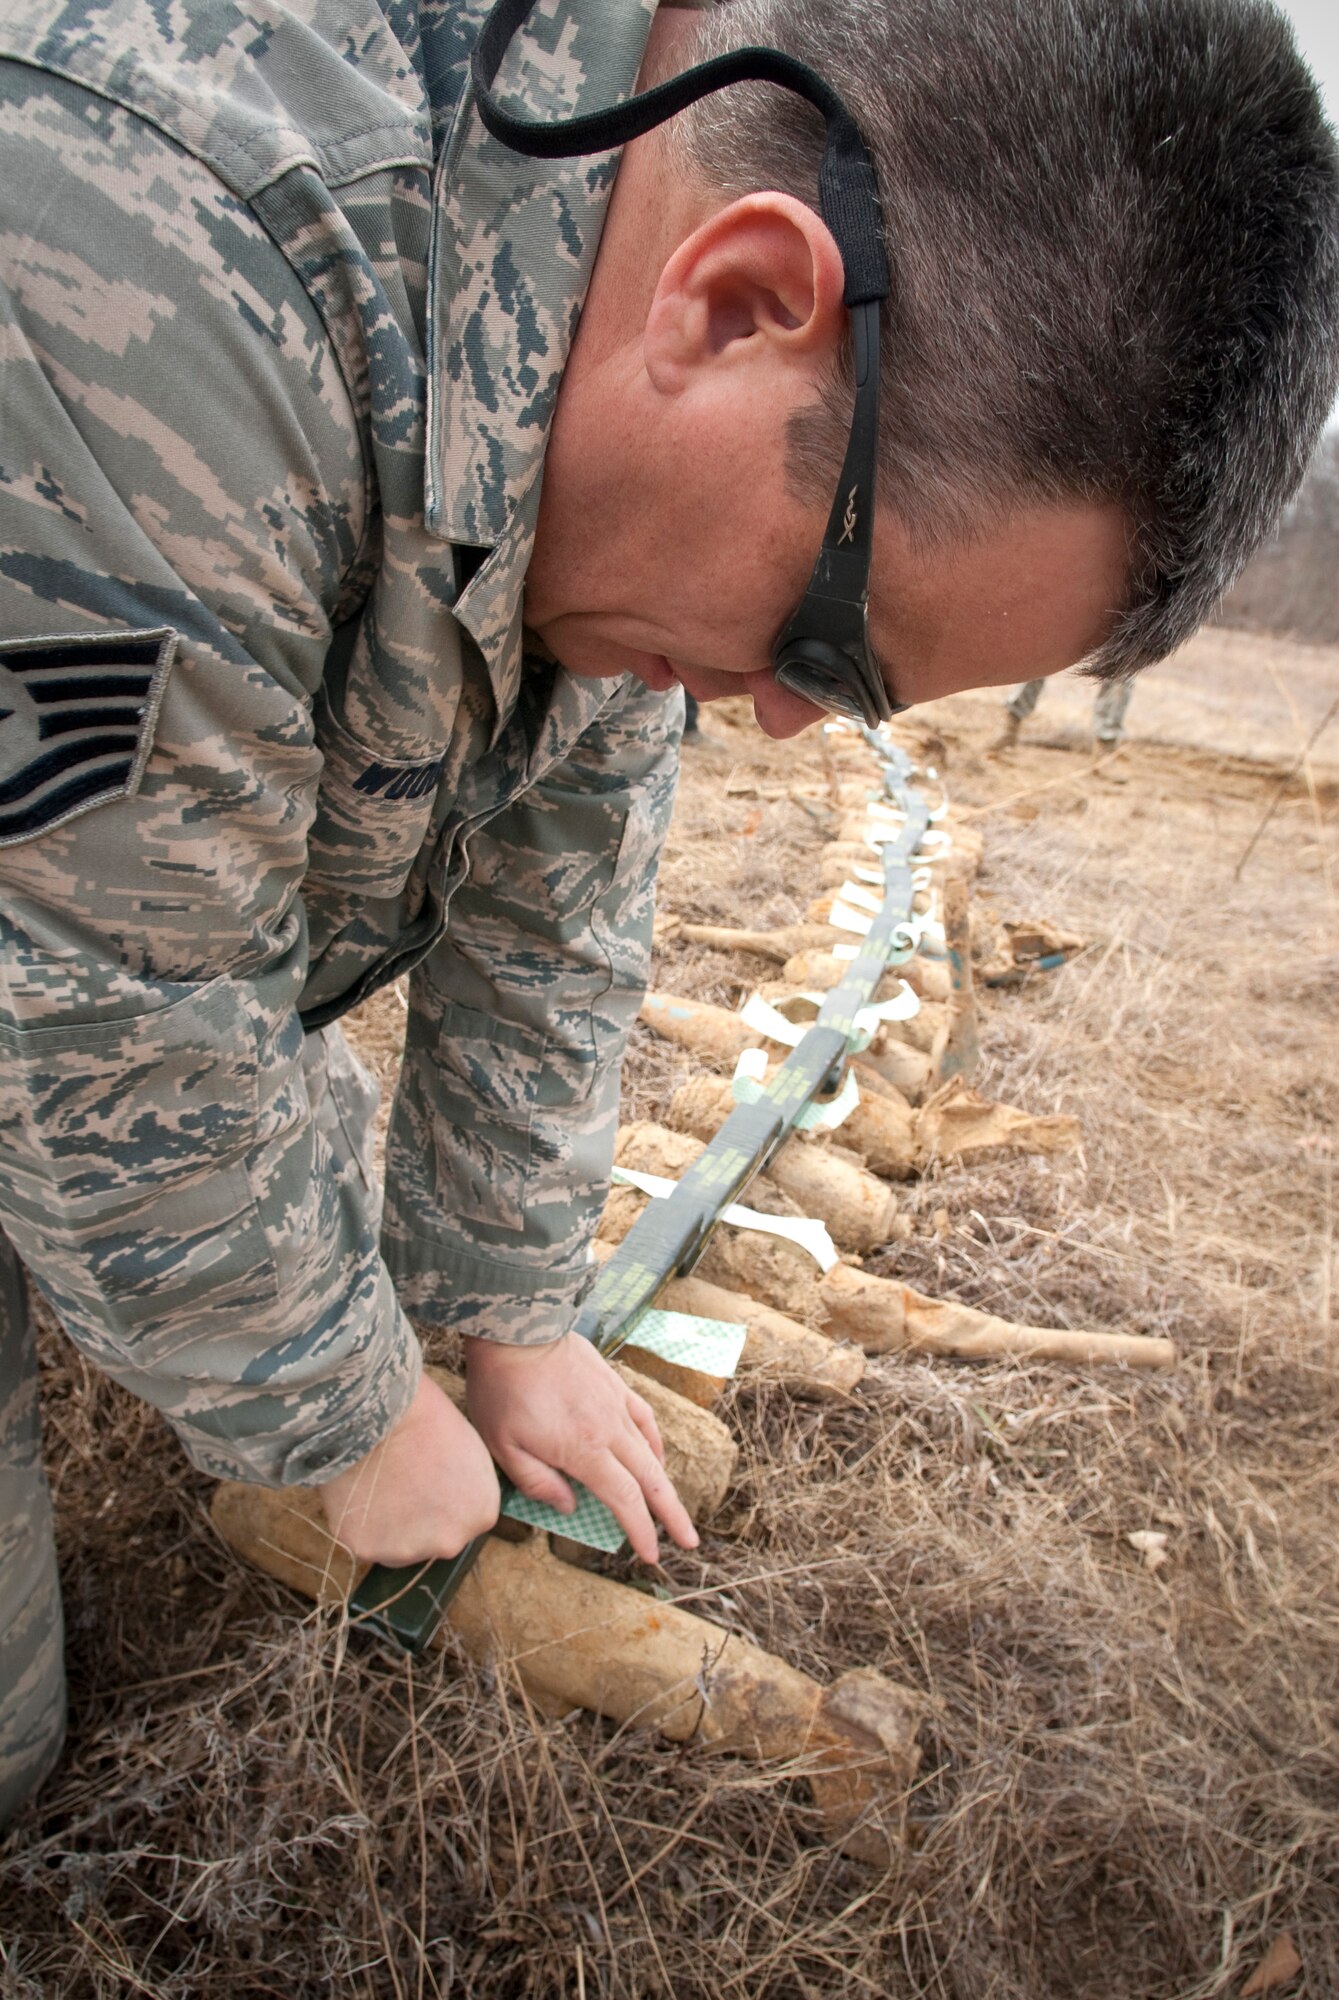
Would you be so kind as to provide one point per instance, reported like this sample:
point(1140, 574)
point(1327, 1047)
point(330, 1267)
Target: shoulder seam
point(225, 159)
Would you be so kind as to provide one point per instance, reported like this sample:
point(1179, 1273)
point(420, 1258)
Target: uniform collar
point(514, 241)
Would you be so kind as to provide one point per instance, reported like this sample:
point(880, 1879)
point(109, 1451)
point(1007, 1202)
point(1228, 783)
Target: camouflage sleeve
point(182, 499)
point(502, 1137)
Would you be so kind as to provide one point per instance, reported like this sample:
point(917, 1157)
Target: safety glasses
point(822, 652)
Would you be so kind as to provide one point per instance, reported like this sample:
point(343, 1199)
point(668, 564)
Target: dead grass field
point(1130, 1786)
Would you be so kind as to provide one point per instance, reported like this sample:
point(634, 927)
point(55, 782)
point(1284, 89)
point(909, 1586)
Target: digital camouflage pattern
point(275, 403)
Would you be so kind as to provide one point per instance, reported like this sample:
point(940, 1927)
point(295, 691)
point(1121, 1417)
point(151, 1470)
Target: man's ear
point(759, 281)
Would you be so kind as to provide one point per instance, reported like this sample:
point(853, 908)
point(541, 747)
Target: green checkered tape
point(711, 1345)
point(592, 1524)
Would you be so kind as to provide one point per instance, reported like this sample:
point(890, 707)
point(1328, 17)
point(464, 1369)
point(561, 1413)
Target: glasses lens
point(826, 689)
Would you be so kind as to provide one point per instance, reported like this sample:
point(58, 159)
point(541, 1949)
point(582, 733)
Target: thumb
point(539, 1481)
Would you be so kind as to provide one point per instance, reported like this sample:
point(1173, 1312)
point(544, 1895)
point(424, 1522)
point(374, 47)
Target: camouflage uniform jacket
point(281, 331)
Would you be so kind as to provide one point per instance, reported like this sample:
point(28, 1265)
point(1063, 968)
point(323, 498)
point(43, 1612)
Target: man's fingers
point(610, 1480)
point(657, 1488)
point(538, 1481)
point(645, 1419)
point(668, 1508)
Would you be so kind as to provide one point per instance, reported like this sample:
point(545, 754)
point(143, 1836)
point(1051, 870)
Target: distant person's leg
point(1024, 699)
point(1113, 698)
point(1017, 709)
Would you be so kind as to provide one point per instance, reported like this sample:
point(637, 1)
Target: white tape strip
point(652, 1184)
point(752, 1066)
point(916, 931)
point(843, 918)
point(805, 1230)
point(760, 1015)
point(859, 898)
point(904, 1006)
point(827, 1117)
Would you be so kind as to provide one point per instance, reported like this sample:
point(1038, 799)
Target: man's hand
point(544, 1411)
point(425, 1491)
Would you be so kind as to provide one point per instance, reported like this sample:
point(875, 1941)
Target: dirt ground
point(1130, 1785)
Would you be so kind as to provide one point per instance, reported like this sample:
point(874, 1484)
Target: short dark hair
point(1113, 227)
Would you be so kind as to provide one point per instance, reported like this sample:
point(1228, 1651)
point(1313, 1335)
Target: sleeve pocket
point(125, 1150)
point(488, 1085)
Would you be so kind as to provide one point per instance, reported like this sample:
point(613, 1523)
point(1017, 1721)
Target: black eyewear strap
point(823, 651)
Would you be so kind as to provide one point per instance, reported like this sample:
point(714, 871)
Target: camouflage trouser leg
point(1113, 698)
point(32, 1677)
point(1024, 699)
point(32, 1667)
point(344, 1099)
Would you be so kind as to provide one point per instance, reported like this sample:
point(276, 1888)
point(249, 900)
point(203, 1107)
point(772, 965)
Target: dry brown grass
point(1131, 1777)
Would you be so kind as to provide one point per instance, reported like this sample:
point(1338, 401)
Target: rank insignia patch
point(77, 718)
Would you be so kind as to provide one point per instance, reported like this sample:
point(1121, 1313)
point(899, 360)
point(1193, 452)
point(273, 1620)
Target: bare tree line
point(1292, 586)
